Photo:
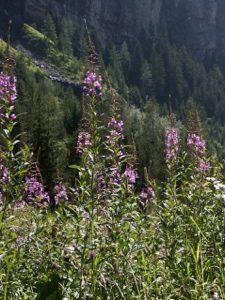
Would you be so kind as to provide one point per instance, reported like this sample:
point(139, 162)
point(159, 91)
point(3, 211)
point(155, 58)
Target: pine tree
point(150, 142)
point(76, 42)
point(125, 60)
point(159, 76)
point(47, 129)
point(146, 79)
point(65, 37)
point(137, 64)
point(71, 111)
point(49, 29)
point(83, 49)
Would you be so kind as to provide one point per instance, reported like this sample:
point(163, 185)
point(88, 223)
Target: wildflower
point(87, 140)
point(8, 91)
point(144, 195)
point(4, 175)
point(120, 153)
point(112, 122)
point(85, 215)
point(114, 175)
point(83, 141)
point(8, 95)
point(147, 195)
point(20, 204)
point(197, 145)
point(61, 194)
point(93, 85)
point(34, 192)
point(100, 181)
point(92, 254)
point(171, 145)
point(130, 175)
point(115, 136)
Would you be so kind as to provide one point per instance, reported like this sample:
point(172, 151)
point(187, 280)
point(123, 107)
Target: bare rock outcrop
point(198, 24)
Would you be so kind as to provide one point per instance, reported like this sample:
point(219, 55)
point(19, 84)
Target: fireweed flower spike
point(114, 142)
point(147, 195)
point(4, 175)
point(92, 85)
point(83, 141)
point(130, 176)
point(8, 95)
point(61, 194)
point(171, 143)
point(92, 89)
point(8, 88)
point(34, 192)
point(116, 157)
point(116, 129)
point(198, 148)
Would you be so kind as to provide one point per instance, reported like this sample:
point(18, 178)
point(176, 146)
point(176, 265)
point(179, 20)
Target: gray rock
point(198, 24)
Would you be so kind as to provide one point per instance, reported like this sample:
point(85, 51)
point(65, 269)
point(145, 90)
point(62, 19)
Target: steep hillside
point(198, 24)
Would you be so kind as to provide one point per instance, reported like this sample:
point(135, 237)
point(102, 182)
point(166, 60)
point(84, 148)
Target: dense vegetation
point(144, 221)
point(145, 75)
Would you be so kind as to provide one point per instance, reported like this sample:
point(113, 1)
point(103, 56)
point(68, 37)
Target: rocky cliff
point(199, 24)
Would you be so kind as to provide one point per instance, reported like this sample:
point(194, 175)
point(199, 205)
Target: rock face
point(117, 19)
point(198, 24)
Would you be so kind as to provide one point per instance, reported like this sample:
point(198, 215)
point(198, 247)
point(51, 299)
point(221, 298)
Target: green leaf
point(76, 167)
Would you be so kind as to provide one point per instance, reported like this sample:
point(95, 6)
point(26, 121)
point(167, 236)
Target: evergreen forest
point(148, 77)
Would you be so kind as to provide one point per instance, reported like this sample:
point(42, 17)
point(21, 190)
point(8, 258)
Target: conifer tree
point(150, 141)
point(159, 76)
point(65, 37)
point(47, 129)
point(49, 29)
point(83, 49)
point(137, 64)
point(125, 60)
point(146, 79)
point(76, 42)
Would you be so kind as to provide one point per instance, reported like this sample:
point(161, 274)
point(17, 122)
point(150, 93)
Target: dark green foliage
point(76, 42)
point(159, 77)
point(47, 128)
point(71, 110)
point(125, 59)
point(83, 49)
point(49, 116)
point(49, 290)
point(152, 68)
point(49, 29)
point(137, 64)
point(34, 40)
point(106, 54)
point(146, 79)
point(150, 141)
point(96, 41)
point(65, 37)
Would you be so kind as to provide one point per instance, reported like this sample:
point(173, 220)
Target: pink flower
point(171, 145)
point(61, 194)
point(93, 86)
point(198, 148)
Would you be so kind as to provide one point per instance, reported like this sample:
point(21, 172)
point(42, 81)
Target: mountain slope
point(198, 24)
